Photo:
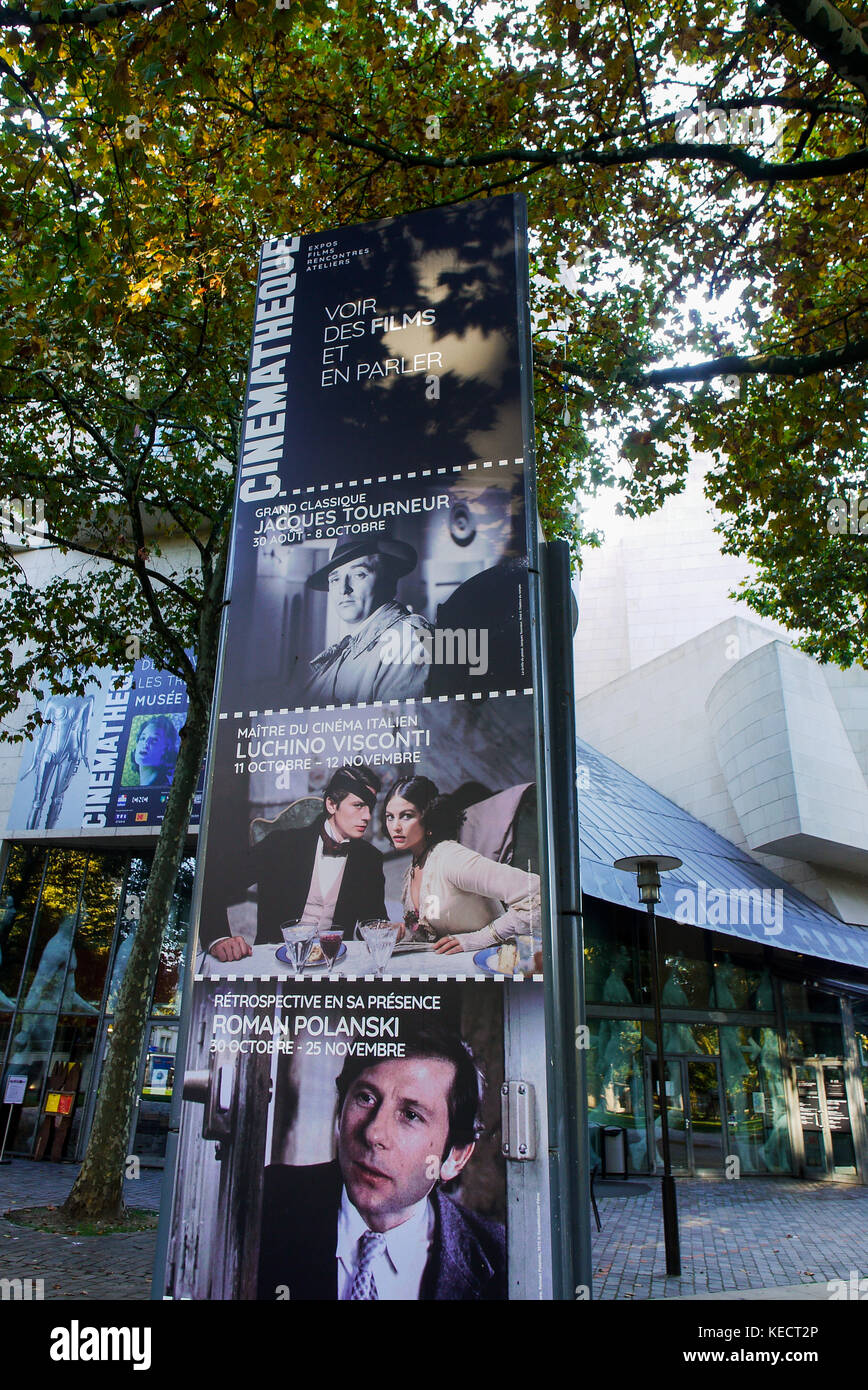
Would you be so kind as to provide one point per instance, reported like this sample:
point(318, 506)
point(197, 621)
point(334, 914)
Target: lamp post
point(647, 868)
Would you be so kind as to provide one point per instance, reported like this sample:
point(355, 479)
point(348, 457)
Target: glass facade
point(756, 1061)
point(67, 922)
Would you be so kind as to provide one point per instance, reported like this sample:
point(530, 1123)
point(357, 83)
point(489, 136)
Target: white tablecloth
point(357, 962)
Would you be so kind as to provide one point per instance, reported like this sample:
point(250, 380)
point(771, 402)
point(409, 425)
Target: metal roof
point(620, 815)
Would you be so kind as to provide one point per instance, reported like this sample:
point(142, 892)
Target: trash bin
point(614, 1153)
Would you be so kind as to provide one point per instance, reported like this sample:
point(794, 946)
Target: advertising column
point(365, 1083)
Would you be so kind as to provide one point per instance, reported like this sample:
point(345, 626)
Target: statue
point(61, 746)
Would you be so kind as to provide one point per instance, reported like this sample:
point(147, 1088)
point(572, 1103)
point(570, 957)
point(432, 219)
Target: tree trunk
point(97, 1193)
point(98, 1190)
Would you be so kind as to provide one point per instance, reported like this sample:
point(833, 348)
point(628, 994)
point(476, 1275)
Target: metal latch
point(518, 1120)
point(213, 1088)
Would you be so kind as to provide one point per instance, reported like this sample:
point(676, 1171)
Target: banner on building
point(103, 760)
point(365, 1102)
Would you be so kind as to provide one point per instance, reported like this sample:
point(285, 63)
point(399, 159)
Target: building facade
point(81, 803)
point(764, 1002)
point(710, 737)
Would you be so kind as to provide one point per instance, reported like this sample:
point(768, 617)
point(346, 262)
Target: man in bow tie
point(326, 872)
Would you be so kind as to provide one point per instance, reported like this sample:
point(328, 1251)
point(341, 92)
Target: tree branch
point(768, 364)
point(143, 574)
point(754, 168)
point(96, 552)
point(839, 44)
point(94, 15)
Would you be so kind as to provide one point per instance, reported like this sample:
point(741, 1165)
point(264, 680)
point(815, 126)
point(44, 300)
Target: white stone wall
point(656, 583)
point(781, 767)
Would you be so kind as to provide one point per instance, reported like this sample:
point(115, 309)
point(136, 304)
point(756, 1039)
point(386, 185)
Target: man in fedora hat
point(383, 655)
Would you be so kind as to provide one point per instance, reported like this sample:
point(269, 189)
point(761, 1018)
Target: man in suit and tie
point(374, 1224)
point(326, 872)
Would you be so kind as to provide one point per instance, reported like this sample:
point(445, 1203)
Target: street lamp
point(647, 868)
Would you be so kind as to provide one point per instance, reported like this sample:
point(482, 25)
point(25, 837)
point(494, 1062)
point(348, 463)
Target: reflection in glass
point(53, 984)
point(810, 1116)
point(99, 907)
point(74, 1042)
point(167, 991)
point(686, 965)
point(17, 906)
point(741, 984)
point(679, 1156)
point(683, 1037)
point(706, 1121)
point(616, 1092)
point(695, 1121)
point(688, 984)
point(134, 896)
point(45, 972)
point(152, 1125)
point(755, 1099)
point(803, 998)
point(29, 1055)
point(838, 1119)
point(610, 957)
point(805, 1039)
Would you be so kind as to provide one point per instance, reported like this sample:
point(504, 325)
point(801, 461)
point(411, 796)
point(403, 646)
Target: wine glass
point(299, 938)
point(330, 942)
point(379, 937)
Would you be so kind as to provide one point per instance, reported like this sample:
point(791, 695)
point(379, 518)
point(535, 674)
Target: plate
point(309, 965)
point(486, 960)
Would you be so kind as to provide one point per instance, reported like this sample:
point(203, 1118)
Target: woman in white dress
point(467, 901)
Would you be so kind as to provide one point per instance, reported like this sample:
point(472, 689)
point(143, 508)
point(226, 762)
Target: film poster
point(103, 760)
point(367, 989)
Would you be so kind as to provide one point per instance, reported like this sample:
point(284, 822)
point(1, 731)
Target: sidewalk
point(778, 1235)
point(768, 1239)
point(73, 1267)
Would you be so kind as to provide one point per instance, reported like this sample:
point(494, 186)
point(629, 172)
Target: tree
point(129, 233)
point(699, 173)
point(149, 145)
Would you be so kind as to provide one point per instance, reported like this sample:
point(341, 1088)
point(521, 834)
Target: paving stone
point(74, 1267)
point(751, 1234)
point(734, 1239)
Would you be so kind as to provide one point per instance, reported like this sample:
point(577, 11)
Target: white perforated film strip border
point(373, 704)
point(480, 466)
point(366, 979)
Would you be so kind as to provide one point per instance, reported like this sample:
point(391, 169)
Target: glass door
point(694, 1109)
point(704, 1115)
point(824, 1116)
point(149, 1125)
point(811, 1118)
point(840, 1148)
point(155, 1099)
point(675, 1115)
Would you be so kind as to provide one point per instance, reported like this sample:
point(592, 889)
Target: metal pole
point(5, 1137)
point(670, 1208)
point(567, 1075)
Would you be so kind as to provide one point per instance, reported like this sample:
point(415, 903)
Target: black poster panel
point(365, 1107)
